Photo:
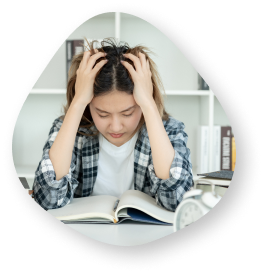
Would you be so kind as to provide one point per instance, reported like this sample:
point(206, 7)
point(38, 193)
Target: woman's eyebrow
point(120, 111)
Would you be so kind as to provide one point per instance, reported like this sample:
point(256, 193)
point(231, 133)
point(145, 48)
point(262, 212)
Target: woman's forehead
point(115, 101)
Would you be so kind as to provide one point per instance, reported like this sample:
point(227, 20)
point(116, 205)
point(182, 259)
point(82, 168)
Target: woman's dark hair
point(113, 76)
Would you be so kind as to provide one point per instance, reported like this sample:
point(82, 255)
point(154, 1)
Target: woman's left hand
point(143, 87)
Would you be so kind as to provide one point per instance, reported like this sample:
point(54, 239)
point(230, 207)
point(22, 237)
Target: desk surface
point(126, 234)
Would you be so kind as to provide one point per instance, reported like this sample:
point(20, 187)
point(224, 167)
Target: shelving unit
point(168, 92)
point(183, 101)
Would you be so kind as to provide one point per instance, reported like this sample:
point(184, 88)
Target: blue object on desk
point(139, 216)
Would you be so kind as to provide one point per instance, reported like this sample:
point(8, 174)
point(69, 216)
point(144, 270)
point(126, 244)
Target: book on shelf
point(202, 149)
point(217, 148)
point(133, 206)
point(202, 85)
point(73, 47)
point(233, 153)
point(224, 150)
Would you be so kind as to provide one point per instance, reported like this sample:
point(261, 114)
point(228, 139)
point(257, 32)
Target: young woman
point(115, 134)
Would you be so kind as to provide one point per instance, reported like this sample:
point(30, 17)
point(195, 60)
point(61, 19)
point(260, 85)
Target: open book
point(134, 207)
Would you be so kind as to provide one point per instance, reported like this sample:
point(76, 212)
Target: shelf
point(168, 92)
point(111, 15)
point(48, 91)
point(26, 171)
point(188, 92)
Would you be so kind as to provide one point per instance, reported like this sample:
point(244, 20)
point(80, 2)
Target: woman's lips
point(116, 135)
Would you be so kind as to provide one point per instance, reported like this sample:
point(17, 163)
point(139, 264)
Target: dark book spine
point(77, 46)
point(73, 47)
point(202, 85)
point(69, 55)
point(226, 148)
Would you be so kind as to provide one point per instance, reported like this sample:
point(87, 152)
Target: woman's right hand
point(86, 75)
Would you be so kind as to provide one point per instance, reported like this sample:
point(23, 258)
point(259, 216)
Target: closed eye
point(108, 115)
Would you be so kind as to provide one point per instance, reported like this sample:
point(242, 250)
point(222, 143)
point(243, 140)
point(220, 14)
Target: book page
point(88, 221)
point(214, 181)
point(122, 213)
point(100, 206)
point(141, 201)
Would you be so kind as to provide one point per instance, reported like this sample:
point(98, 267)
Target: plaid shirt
point(79, 182)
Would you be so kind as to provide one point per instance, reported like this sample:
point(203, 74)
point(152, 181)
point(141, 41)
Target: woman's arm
point(170, 168)
point(61, 150)
point(161, 147)
point(50, 190)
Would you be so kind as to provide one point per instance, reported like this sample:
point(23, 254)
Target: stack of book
point(217, 182)
point(224, 149)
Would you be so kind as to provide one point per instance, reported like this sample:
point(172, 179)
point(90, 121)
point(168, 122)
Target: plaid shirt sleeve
point(48, 192)
point(169, 192)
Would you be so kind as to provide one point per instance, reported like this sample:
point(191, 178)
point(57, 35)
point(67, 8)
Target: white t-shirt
point(115, 172)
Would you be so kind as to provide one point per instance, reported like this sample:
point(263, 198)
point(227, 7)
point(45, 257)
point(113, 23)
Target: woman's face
point(116, 113)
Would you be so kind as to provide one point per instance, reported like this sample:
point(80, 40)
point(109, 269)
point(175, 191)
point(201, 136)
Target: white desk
point(123, 234)
point(130, 234)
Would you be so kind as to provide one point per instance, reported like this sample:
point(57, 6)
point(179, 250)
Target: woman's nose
point(116, 125)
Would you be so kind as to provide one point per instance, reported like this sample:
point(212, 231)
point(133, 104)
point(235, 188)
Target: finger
point(142, 58)
point(84, 61)
point(148, 67)
point(93, 59)
point(129, 68)
point(135, 60)
point(95, 51)
point(98, 66)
